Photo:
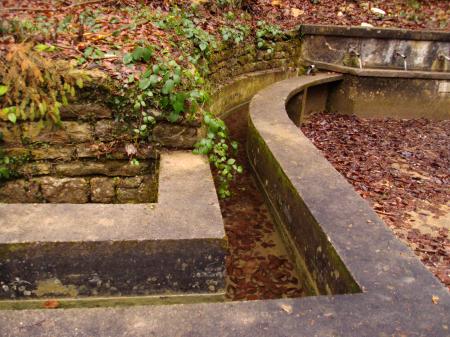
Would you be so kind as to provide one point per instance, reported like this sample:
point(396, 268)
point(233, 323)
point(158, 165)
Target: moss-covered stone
point(65, 190)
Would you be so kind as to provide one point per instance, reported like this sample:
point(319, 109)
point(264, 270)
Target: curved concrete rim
point(383, 266)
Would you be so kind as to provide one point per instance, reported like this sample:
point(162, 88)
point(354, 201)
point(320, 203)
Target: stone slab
point(184, 178)
point(175, 245)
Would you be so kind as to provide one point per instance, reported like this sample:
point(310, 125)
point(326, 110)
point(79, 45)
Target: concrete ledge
point(375, 32)
point(391, 73)
point(71, 250)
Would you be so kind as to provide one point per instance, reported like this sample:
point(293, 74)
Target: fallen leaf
point(295, 12)
point(287, 308)
point(435, 299)
point(51, 304)
point(276, 2)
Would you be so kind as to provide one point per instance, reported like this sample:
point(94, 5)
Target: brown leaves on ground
point(113, 27)
point(258, 266)
point(403, 168)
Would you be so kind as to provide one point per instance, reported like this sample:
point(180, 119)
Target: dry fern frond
point(36, 86)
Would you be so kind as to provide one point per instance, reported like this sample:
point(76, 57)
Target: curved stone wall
point(339, 238)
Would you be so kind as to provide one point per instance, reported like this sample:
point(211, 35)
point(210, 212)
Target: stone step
point(173, 247)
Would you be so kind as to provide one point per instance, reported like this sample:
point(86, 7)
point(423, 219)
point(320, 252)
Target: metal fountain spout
point(442, 57)
point(403, 56)
point(311, 69)
point(353, 52)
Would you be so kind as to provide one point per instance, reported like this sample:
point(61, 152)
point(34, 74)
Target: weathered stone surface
point(17, 151)
point(85, 111)
point(108, 130)
point(402, 304)
point(127, 195)
point(147, 189)
point(114, 150)
point(178, 136)
point(91, 150)
point(376, 53)
point(52, 152)
point(35, 169)
point(369, 97)
point(102, 189)
point(65, 190)
point(136, 190)
point(81, 168)
point(11, 134)
point(19, 191)
point(68, 132)
point(108, 168)
point(133, 182)
point(105, 249)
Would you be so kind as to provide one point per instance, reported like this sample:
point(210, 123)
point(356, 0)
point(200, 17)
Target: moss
point(54, 287)
point(122, 301)
point(322, 277)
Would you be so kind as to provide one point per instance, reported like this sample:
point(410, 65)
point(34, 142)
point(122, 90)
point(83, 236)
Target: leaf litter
point(402, 167)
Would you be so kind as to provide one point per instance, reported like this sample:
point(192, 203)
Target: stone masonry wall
point(82, 160)
point(85, 158)
point(233, 62)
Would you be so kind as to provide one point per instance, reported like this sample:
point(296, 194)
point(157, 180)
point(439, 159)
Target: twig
point(27, 9)
point(35, 9)
point(103, 57)
point(91, 2)
point(384, 213)
point(67, 47)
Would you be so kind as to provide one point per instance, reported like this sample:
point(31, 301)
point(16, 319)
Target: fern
point(34, 86)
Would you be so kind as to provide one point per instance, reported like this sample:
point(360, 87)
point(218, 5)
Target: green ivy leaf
point(79, 83)
point(3, 89)
point(12, 117)
point(44, 47)
point(154, 79)
point(173, 117)
point(178, 103)
point(176, 78)
point(127, 58)
point(88, 52)
point(168, 87)
point(144, 83)
point(142, 54)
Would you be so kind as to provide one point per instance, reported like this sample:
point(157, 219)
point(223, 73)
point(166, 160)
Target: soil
point(402, 167)
point(258, 266)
